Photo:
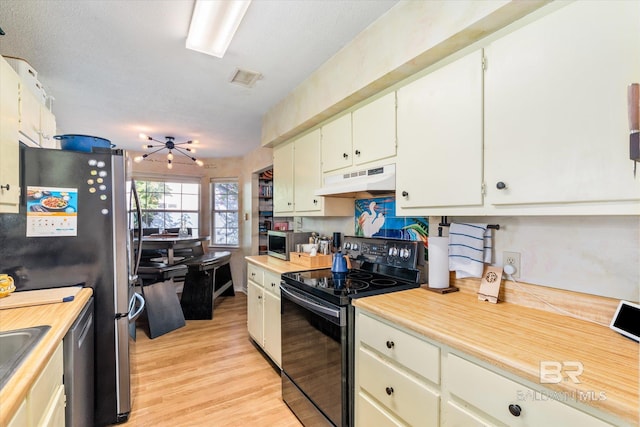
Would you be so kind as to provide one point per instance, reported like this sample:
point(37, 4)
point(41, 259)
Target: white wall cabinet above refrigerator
point(556, 121)
point(37, 125)
point(439, 162)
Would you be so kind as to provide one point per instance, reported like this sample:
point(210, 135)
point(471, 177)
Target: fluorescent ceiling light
point(213, 24)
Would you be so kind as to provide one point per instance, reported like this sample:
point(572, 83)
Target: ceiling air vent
point(245, 78)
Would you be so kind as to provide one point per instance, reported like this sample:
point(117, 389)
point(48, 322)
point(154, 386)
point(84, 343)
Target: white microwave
point(281, 243)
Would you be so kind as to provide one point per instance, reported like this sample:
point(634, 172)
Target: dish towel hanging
point(469, 248)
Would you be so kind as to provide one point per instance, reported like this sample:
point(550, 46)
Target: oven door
point(314, 358)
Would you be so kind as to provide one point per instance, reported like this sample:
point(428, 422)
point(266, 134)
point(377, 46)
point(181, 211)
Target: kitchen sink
point(15, 346)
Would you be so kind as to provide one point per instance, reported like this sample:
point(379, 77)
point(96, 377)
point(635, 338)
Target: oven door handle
point(310, 305)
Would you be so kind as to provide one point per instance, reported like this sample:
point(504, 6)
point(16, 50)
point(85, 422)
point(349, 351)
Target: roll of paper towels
point(438, 262)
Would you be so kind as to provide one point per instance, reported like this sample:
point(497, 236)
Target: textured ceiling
point(118, 68)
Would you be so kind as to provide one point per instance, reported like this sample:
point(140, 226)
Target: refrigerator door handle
point(135, 298)
point(136, 198)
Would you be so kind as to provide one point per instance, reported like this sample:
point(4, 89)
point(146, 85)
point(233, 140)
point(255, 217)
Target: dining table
point(171, 242)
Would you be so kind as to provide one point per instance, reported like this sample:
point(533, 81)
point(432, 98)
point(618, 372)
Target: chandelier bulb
point(143, 136)
point(170, 156)
point(199, 162)
point(195, 141)
point(138, 159)
point(169, 164)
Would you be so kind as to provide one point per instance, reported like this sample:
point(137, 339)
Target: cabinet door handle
point(405, 194)
point(389, 390)
point(501, 185)
point(259, 296)
point(515, 410)
point(345, 155)
point(315, 202)
point(357, 152)
point(390, 344)
point(5, 187)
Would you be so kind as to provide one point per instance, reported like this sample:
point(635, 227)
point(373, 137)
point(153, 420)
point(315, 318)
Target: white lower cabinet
point(272, 339)
point(255, 311)
point(405, 379)
point(397, 376)
point(263, 310)
point(20, 417)
point(45, 402)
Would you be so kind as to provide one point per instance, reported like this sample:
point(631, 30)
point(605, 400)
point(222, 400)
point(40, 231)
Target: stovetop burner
point(358, 275)
point(383, 282)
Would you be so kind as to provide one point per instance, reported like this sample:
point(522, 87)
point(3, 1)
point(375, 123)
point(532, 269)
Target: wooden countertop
point(60, 317)
point(517, 339)
point(277, 265)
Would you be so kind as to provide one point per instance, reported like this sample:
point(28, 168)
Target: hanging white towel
point(469, 248)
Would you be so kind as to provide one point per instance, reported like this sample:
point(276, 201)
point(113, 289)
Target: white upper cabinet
point(337, 150)
point(374, 130)
point(556, 120)
point(9, 149)
point(283, 179)
point(439, 161)
point(297, 175)
point(307, 174)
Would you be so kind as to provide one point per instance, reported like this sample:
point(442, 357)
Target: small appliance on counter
point(280, 244)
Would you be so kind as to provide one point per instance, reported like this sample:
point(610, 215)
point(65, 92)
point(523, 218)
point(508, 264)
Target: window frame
point(213, 211)
point(178, 180)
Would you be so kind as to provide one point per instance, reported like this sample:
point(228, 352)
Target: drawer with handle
point(508, 401)
point(403, 396)
point(272, 282)
point(408, 350)
point(255, 274)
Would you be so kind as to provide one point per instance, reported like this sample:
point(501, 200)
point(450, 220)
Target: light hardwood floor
point(207, 373)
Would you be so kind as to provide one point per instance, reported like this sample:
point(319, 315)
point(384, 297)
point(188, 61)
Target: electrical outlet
point(512, 258)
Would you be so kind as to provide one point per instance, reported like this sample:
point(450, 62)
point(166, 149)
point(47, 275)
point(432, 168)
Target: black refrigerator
point(73, 229)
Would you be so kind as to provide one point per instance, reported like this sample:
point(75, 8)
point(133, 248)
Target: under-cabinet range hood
point(375, 180)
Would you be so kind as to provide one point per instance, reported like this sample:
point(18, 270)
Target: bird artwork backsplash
point(375, 217)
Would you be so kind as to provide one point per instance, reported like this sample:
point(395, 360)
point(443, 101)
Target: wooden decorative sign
point(490, 285)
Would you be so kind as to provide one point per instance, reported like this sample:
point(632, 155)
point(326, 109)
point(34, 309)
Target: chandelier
point(171, 146)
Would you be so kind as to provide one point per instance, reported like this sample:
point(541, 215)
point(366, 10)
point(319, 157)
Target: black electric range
point(317, 324)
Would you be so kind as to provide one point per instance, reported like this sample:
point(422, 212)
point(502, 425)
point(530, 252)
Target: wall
point(409, 37)
point(242, 168)
point(598, 255)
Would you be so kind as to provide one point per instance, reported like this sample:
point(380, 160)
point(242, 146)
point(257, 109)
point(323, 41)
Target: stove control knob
point(355, 246)
point(347, 245)
point(393, 251)
point(404, 253)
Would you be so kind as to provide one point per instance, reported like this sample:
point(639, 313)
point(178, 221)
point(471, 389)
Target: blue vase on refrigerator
point(73, 229)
